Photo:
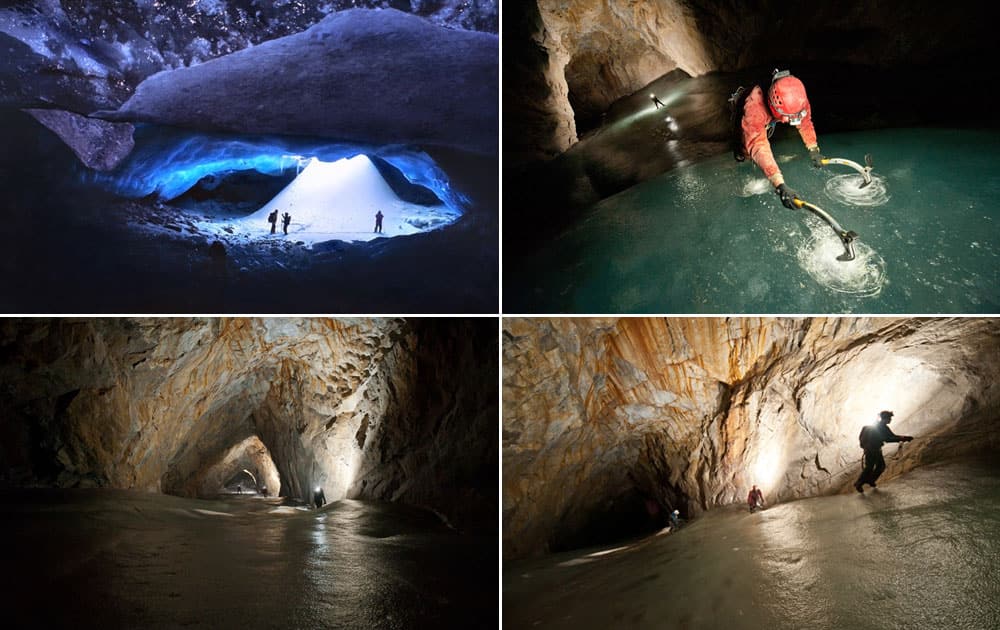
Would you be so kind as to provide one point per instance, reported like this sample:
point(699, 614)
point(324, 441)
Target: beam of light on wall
point(885, 381)
point(769, 464)
point(168, 163)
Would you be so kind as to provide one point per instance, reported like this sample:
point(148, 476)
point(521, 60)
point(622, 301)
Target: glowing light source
point(168, 164)
point(338, 201)
point(768, 467)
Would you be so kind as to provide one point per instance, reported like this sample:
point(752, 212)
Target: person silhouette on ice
point(871, 438)
point(657, 102)
point(378, 221)
point(755, 499)
point(273, 220)
point(285, 220)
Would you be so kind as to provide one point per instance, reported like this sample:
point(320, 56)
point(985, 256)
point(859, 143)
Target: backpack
point(870, 438)
point(736, 102)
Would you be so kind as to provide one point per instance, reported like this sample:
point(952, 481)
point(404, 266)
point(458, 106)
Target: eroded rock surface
point(365, 76)
point(87, 55)
point(366, 408)
point(100, 145)
point(600, 415)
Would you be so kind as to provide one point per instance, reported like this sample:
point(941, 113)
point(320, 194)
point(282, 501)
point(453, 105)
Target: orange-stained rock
point(689, 412)
point(372, 408)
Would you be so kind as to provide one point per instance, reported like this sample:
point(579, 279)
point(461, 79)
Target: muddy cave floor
point(116, 558)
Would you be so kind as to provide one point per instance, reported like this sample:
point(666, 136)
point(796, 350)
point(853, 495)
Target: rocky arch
point(584, 56)
point(170, 405)
point(603, 419)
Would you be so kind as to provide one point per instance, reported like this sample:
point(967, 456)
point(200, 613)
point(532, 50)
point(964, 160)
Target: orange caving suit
point(756, 116)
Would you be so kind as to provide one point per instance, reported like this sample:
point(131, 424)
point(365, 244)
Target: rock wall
point(565, 62)
point(569, 61)
point(602, 415)
point(353, 405)
point(83, 55)
point(378, 77)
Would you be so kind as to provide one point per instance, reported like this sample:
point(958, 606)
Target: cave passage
point(128, 559)
point(921, 553)
point(713, 237)
point(181, 225)
point(218, 186)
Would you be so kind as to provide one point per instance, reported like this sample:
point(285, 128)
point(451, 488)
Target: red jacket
point(756, 116)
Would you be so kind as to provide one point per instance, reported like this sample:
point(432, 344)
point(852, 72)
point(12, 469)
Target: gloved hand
point(787, 195)
point(816, 157)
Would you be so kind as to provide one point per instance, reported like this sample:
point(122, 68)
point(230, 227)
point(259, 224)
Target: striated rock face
point(366, 408)
point(616, 421)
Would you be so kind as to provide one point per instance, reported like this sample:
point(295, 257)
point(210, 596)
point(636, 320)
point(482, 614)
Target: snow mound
point(336, 201)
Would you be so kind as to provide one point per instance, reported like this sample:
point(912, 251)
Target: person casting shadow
point(871, 438)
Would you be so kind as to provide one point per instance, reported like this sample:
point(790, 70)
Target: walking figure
point(378, 221)
point(656, 101)
point(285, 220)
point(273, 220)
point(872, 438)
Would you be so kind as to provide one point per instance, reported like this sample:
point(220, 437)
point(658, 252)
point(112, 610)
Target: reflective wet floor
point(109, 558)
point(713, 237)
point(923, 551)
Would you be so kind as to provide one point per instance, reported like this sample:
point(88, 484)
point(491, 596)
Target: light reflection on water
point(921, 552)
point(714, 238)
point(129, 559)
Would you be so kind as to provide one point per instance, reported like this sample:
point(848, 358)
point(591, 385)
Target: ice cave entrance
point(336, 201)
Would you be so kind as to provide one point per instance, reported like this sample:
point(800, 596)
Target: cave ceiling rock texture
point(589, 54)
point(377, 77)
point(691, 412)
point(366, 408)
point(249, 455)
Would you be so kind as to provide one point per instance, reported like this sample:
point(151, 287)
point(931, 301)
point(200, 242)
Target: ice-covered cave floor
point(923, 551)
point(116, 558)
